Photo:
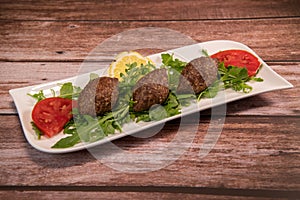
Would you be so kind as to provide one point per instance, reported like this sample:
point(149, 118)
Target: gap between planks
point(151, 20)
point(165, 189)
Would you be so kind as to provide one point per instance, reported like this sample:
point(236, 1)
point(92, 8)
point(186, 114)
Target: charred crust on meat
point(98, 96)
point(197, 75)
point(150, 90)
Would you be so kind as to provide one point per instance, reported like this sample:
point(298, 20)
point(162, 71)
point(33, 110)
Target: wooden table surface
point(258, 153)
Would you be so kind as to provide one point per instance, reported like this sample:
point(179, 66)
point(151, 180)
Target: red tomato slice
point(239, 58)
point(51, 114)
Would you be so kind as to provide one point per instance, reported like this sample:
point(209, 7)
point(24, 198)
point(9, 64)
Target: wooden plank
point(73, 41)
point(251, 153)
point(23, 74)
point(33, 73)
point(60, 195)
point(146, 10)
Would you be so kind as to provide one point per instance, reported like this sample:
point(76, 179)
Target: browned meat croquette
point(98, 96)
point(150, 90)
point(197, 75)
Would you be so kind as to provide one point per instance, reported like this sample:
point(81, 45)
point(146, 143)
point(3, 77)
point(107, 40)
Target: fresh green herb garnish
point(186, 99)
point(38, 96)
point(93, 76)
point(67, 141)
point(37, 131)
point(174, 67)
point(204, 52)
point(211, 91)
point(90, 129)
point(69, 91)
point(133, 73)
point(236, 78)
point(168, 60)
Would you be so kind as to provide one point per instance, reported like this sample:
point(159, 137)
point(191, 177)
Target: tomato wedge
point(238, 58)
point(51, 114)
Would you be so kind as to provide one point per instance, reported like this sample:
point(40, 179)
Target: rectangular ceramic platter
point(24, 103)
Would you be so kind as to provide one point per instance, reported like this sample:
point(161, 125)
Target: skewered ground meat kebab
point(100, 95)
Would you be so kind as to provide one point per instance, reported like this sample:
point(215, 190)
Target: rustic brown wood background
point(258, 153)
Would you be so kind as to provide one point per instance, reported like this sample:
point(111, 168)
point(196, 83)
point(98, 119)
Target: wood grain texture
point(251, 153)
point(146, 10)
point(61, 195)
point(271, 103)
point(73, 41)
point(258, 153)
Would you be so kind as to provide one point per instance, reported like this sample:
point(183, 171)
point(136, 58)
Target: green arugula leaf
point(168, 60)
point(173, 78)
point(69, 91)
point(37, 131)
point(257, 79)
point(172, 105)
point(93, 76)
point(236, 78)
point(204, 52)
point(67, 141)
point(185, 99)
point(38, 96)
point(157, 113)
point(85, 128)
point(174, 67)
point(90, 129)
point(211, 91)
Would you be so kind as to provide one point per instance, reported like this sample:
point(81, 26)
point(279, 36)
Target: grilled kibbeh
point(150, 90)
point(197, 75)
point(98, 96)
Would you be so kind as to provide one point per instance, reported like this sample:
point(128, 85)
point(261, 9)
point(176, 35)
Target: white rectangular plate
point(24, 103)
